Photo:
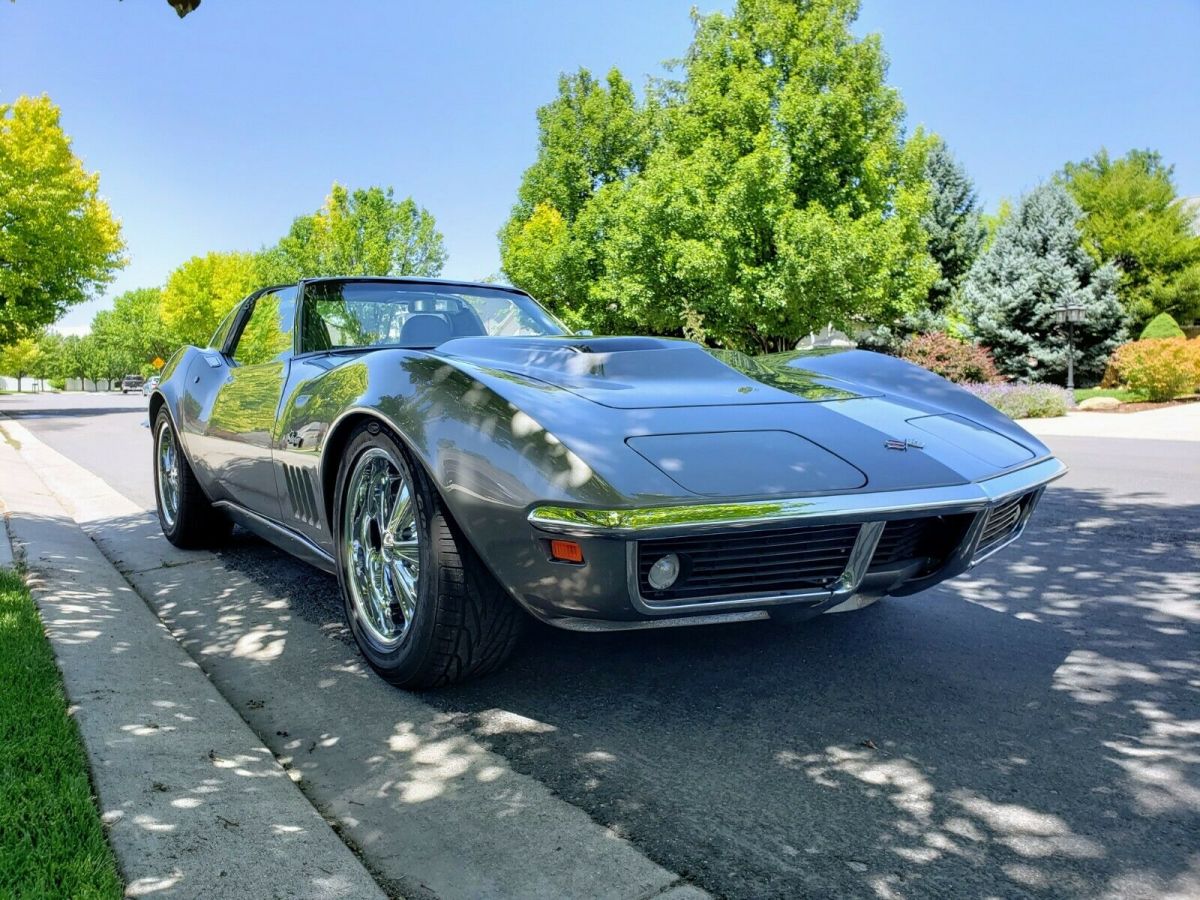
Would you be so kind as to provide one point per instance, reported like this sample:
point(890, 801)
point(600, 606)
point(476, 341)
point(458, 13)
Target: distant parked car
point(149, 385)
point(132, 383)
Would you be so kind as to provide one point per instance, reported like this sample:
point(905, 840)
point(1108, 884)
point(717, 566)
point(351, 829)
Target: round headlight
point(664, 572)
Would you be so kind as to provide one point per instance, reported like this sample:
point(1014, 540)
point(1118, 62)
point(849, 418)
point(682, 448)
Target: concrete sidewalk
point(194, 804)
point(432, 812)
point(1172, 423)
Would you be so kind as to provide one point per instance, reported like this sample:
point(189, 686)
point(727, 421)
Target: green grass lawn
point(1122, 394)
point(51, 840)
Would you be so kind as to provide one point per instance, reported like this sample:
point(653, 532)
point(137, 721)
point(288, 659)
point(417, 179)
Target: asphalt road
point(1030, 729)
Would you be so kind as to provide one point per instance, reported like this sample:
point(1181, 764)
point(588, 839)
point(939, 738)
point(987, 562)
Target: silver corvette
point(460, 460)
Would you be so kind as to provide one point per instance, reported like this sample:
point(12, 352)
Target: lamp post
point(1069, 315)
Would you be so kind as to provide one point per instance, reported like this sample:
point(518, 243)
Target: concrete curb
point(7, 560)
point(432, 812)
point(195, 805)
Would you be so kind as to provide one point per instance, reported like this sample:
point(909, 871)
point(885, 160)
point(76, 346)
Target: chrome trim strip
point(279, 535)
point(860, 558)
point(646, 521)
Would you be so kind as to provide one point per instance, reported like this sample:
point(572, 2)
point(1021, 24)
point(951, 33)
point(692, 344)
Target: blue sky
point(213, 132)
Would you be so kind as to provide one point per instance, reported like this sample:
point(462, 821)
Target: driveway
point(1032, 728)
point(1170, 423)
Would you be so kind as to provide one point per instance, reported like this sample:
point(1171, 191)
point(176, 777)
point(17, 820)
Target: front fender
point(489, 460)
point(899, 378)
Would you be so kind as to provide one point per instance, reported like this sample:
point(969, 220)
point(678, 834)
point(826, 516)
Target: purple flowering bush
point(1025, 401)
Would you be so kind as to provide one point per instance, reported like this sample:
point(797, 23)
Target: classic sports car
point(459, 459)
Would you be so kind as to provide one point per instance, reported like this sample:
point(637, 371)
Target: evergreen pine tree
point(1035, 265)
point(953, 222)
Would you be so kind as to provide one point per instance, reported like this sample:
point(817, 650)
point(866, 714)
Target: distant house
point(827, 337)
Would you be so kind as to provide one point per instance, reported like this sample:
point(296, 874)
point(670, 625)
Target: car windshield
point(350, 314)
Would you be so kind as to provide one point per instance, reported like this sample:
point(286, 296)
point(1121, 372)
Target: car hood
point(718, 423)
point(654, 373)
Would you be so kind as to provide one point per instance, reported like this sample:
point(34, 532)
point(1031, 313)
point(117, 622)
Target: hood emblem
point(898, 444)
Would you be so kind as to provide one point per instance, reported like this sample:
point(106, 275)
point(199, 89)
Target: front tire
point(422, 607)
point(187, 517)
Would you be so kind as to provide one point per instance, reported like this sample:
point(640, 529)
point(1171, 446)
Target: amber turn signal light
point(566, 551)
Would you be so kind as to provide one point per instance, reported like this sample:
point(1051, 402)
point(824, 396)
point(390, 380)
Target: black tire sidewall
point(405, 661)
point(172, 531)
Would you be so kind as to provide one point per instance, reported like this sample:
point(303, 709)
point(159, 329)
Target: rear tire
point(453, 622)
point(187, 517)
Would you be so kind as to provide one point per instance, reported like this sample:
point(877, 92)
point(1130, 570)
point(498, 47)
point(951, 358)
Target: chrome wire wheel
point(166, 471)
point(381, 545)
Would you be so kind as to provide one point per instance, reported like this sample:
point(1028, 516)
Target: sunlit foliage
point(58, 240)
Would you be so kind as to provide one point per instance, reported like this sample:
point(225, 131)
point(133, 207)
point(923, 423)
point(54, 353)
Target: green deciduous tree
point(70, 362)
point(361, 232)
point(766, 193)
point(1035, 265)
point(592, 138)
point(134, 330)
point(95, 361)
point(590, 135)
point(1135, 220)
point(19, 359)
point(49, 359)
point(953, 223)
point(58, 239)
point(200, 292)
point(538, 256)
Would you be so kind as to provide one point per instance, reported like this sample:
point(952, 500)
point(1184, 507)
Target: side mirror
point(586, 332)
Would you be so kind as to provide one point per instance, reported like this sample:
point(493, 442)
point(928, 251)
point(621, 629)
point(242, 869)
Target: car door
point(236, 430)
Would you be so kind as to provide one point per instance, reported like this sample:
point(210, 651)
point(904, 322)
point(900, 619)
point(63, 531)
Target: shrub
point(1162, 368)
point(1161, 326)
point(1025, 401)
point(1112, 377)
point(951, 358)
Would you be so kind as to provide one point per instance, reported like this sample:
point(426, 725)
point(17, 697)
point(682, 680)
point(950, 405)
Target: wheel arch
point(335, 445)
point(157, 402)
point(332, 452)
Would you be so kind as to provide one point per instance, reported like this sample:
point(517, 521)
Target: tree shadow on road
point(1043, 737)
point(1028, 728)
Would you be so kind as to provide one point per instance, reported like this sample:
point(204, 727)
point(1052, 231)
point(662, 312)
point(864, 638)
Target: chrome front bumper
point(871, 510)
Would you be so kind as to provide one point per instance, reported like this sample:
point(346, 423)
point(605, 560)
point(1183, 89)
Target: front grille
point(899, 542)
point(784, 560)
point(928, 540)
point(1001, 522)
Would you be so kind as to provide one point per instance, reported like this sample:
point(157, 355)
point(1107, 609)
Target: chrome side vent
point(301, 496)
point(1001, 522)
